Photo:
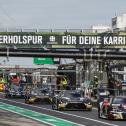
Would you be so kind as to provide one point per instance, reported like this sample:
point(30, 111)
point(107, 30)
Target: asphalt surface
point(87, 118)
point(10, 119)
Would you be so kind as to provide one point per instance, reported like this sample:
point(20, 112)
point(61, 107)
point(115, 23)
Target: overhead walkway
point(113, 55)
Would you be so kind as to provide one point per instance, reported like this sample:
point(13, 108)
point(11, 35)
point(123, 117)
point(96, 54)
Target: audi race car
point(14, 87)
point(113, 108)
point(38, 95)
point(71, 99)
point(14, 91)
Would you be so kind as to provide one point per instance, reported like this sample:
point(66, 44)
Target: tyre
point(99, 115)
point(7, 95)
point(99, 112)
point(27, 101)
point(90, 109)
point(53, 107)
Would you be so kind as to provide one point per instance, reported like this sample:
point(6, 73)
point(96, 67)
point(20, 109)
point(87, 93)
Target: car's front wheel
point(55, 106)
point(7, 95)
point(99, 112)
point(90, 109)
point(27, 101)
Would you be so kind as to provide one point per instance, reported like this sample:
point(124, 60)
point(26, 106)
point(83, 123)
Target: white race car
point(113, 108)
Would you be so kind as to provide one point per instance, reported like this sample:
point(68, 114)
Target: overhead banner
point(64, 40)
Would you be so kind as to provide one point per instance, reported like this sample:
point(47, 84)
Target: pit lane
point(81, 117)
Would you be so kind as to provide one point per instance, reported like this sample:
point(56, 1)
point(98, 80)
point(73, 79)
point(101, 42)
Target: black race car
point(71, 99)
point(113, 108)
point(38, 95)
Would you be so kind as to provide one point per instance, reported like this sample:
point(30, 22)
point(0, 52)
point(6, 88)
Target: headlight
point(89, 103)
point(116, 109)
point(81, 99)
point(46, 94)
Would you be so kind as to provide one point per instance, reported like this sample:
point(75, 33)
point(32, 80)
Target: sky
point(57, 14)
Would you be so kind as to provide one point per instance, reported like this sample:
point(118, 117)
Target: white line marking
point(30, 117)
point(64, 113)
point(41, 114)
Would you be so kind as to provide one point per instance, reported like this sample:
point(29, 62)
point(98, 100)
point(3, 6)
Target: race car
point(113, 108)
point(38, 95)
point(1, 87)
point(2, 84)
point(15, 87)
point(12, 90)
point(71, 99)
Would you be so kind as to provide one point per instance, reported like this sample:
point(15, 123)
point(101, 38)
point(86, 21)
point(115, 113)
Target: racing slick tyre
point(90, 109)
point(55, 106)
point(7, 95)
point(99, 112)
point(48, 100)
point(27, 101)
point(99, 115)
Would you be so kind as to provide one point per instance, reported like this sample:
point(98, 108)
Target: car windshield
point(72, 94)
point(119, 100)
point(76, 94)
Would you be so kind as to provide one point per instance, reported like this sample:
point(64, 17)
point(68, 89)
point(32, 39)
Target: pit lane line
point(47, 119)
point(109, 124)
